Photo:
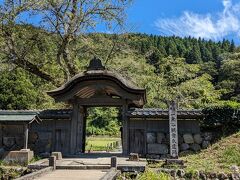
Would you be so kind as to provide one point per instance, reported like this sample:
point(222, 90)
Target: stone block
point(222, 175)
point(160, 137)
point(157, 148)
point(52, 162)
point(58, 155)
point(207, 136)
point(19, 157)
point(133, 157)
point(180, 139)
point(188, 138)
point(235, 176)
point(205, 144)
point(114, 162)
point(197, 138)
point(184, 146)
point(195, 147)
point(234, 168)
point(180, 173)
point(151, 138)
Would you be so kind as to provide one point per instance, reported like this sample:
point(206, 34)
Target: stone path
point(87, 166)
point(99, 161)
point(73, 175)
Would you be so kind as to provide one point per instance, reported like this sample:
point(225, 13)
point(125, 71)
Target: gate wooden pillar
point(77, 129)
point(125, 130)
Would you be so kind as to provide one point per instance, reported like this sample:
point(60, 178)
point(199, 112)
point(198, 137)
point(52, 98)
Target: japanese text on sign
point(173, 131)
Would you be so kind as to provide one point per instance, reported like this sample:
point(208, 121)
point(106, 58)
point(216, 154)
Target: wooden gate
point(137, 141)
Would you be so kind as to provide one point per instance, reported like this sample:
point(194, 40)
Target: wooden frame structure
point(93, 88)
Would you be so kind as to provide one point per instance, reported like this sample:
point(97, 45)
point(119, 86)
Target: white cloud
point(208, 26)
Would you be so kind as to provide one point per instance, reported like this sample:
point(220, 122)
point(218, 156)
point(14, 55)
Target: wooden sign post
point(173, 129)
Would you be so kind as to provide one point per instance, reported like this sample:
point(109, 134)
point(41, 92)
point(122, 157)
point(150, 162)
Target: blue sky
point(209, 19)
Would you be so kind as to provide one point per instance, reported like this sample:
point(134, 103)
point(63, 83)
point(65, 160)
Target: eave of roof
point(30, 115)
point(96, 74)
point(19, 116)
point(99, 75)
point(156, 112)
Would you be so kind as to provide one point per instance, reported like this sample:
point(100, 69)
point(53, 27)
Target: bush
point(16, 91)
point(226, 117)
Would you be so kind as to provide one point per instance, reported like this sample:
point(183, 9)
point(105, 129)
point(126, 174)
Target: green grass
point(231, 155)
point(99, 143)
point(151, 175)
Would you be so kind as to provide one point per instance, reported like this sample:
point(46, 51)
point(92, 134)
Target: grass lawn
point(100, 143)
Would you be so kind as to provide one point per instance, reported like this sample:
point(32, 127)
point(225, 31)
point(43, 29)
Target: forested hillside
point(197, 72)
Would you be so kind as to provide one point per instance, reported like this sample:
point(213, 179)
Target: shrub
point(226, 117)
point(151, 175)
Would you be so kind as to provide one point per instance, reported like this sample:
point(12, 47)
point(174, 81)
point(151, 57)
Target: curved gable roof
point(92, 77)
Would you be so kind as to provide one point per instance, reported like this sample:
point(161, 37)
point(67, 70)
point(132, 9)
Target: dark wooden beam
point(80, 130)
point(94, 102)
point(84, 130)
point(125, 130)
point(74, 119)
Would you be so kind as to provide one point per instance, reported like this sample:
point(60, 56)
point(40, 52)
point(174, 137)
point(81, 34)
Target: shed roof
point(31, 115)
point(19, 116)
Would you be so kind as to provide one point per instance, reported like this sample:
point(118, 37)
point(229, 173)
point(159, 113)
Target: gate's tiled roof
point(29, 115)
point(156, 112)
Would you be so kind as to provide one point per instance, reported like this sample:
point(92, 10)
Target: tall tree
point(229, 76)
point(67, 20)
point(194, 55)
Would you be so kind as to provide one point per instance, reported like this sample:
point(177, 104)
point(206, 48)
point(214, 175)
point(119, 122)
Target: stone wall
point(157, 140)
point(12, 137)
point(158, 143)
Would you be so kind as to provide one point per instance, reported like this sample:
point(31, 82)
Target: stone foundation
point(18, 157)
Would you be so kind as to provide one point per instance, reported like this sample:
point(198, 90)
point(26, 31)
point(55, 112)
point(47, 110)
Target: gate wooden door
point(137, 141)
